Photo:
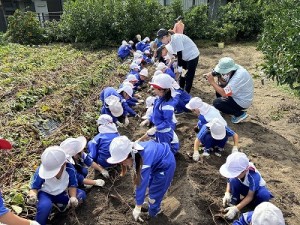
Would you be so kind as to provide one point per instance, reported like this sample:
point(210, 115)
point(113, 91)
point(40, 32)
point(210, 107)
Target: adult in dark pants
point(187, 54)
point(234, 89)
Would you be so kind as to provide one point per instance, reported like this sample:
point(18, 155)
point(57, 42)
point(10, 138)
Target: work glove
point(73, 202)
point(32, 222)
point(32, 199)
point(99, 182)
point(226, 199)
point(120, 124)
point(151, 131)
point(105, 173)
point(196, 156)
point(126, 121)
point(136, 212)
point(145, 123)
point(141, 101)
point(234, 149)
point(179, 69)
point(231, 212)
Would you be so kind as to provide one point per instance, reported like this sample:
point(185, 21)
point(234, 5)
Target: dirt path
point(270, 137)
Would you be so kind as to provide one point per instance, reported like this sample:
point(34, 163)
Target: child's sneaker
point(218, 151)
point(239, 118)
point(206, 152)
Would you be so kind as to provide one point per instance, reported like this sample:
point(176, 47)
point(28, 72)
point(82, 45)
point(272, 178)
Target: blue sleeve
point(141, 189)
point(245, 219)
point(3, 209)
point(92, 147)
point(201, 121)
point(167, 112)
point(87, 159)
point(229, 132)
point(72, 175)
point(202, 132)
point(127, 109)
point(37, 181)
point(254, 180)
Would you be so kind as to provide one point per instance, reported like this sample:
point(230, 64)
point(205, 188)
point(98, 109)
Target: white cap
point(197, 103)
point(52, 159)
point(146, 39)
point(147, 52)
point(134, 66)
point(170, 49)
point(150, 101)
point(267, 214)
point(235, 164)
point(127, 89)
point(217, 129)
point(144, 72)
point(114, 105)
point(130, 42)
point(104, 119)
point(161, 66)
point(73, 146)
point(124, 42)
point(163, 81)
point(138, 37)
point(119, 149)
point(127, 83)
point(131, 77)
point(157, 72)
point(175, 85)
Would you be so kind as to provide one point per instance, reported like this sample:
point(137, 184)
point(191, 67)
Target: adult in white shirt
point(187, 53)
point(234, 88)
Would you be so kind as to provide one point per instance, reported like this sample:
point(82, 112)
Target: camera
point(215, 74)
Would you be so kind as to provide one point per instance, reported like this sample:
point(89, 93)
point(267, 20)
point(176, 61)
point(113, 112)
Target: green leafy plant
point(24, 28)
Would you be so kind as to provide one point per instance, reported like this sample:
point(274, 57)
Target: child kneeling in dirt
point(73, 148)
point(213, 136)
point(54, 182)
point(264, 214)
point(98, 147)
point(245, 180)
point(153, 166)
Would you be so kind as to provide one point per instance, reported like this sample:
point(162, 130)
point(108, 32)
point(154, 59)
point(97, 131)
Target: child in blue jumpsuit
point(124, 50)
point(54, 182)
point(181, 99)
point(154, 166)
point(141, 77)
point(213, 136)
point(7, 217)
point(74, 147)
point(98, 147)
point(163, 112)
point(264, 214)
point(165, 69)
point(243, 179)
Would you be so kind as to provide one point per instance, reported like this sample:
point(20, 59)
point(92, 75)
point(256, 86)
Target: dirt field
point(269, 136)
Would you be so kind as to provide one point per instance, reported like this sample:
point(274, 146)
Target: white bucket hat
point(131, 77)
point(134, 66)
point(144, 72)
point(127, 89)
point(130, 42)
point(124, 42)
point(197, 103)
point(161, 66)
point(226, 65)
point(150, 101)
point(52, 159)
point(146, 39)
point(235, 164)
point(157, 72)
point(217, 129)
point(104, 119)
point(72, 146)
point(267, 214)
point(119, 149)
point(114, 105)
point(170, 49)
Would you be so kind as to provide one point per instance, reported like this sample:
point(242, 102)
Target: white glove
point(136, 212)
point(234, 149)
point(145, 123)
point(32, 222)
point(196, 156)
point(105, 173)
point(73, 202)
point(141, 101)
point(126, 122)
point(151, 131)
point(226, 199)
point(231, 212)
point(120, 124)
point(32, 199)
point(179, 69)
point(99, 182)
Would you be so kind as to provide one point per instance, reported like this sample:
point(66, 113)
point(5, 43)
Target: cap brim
point(83, 142)
point(155, 85)
point(70, 159)
point(226, 173)
point(218, 137)
point(5, 144)
point(137, 146)
point(188, 106)
point(224, 71)
point(47, 174)
point(111, 160)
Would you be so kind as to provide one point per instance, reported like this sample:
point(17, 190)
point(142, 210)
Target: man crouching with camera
point(234, 88)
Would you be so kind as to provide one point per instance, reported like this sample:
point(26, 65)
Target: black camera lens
point(215, 74)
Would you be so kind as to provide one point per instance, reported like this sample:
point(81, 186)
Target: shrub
point(24, 28)
point(280, 41)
